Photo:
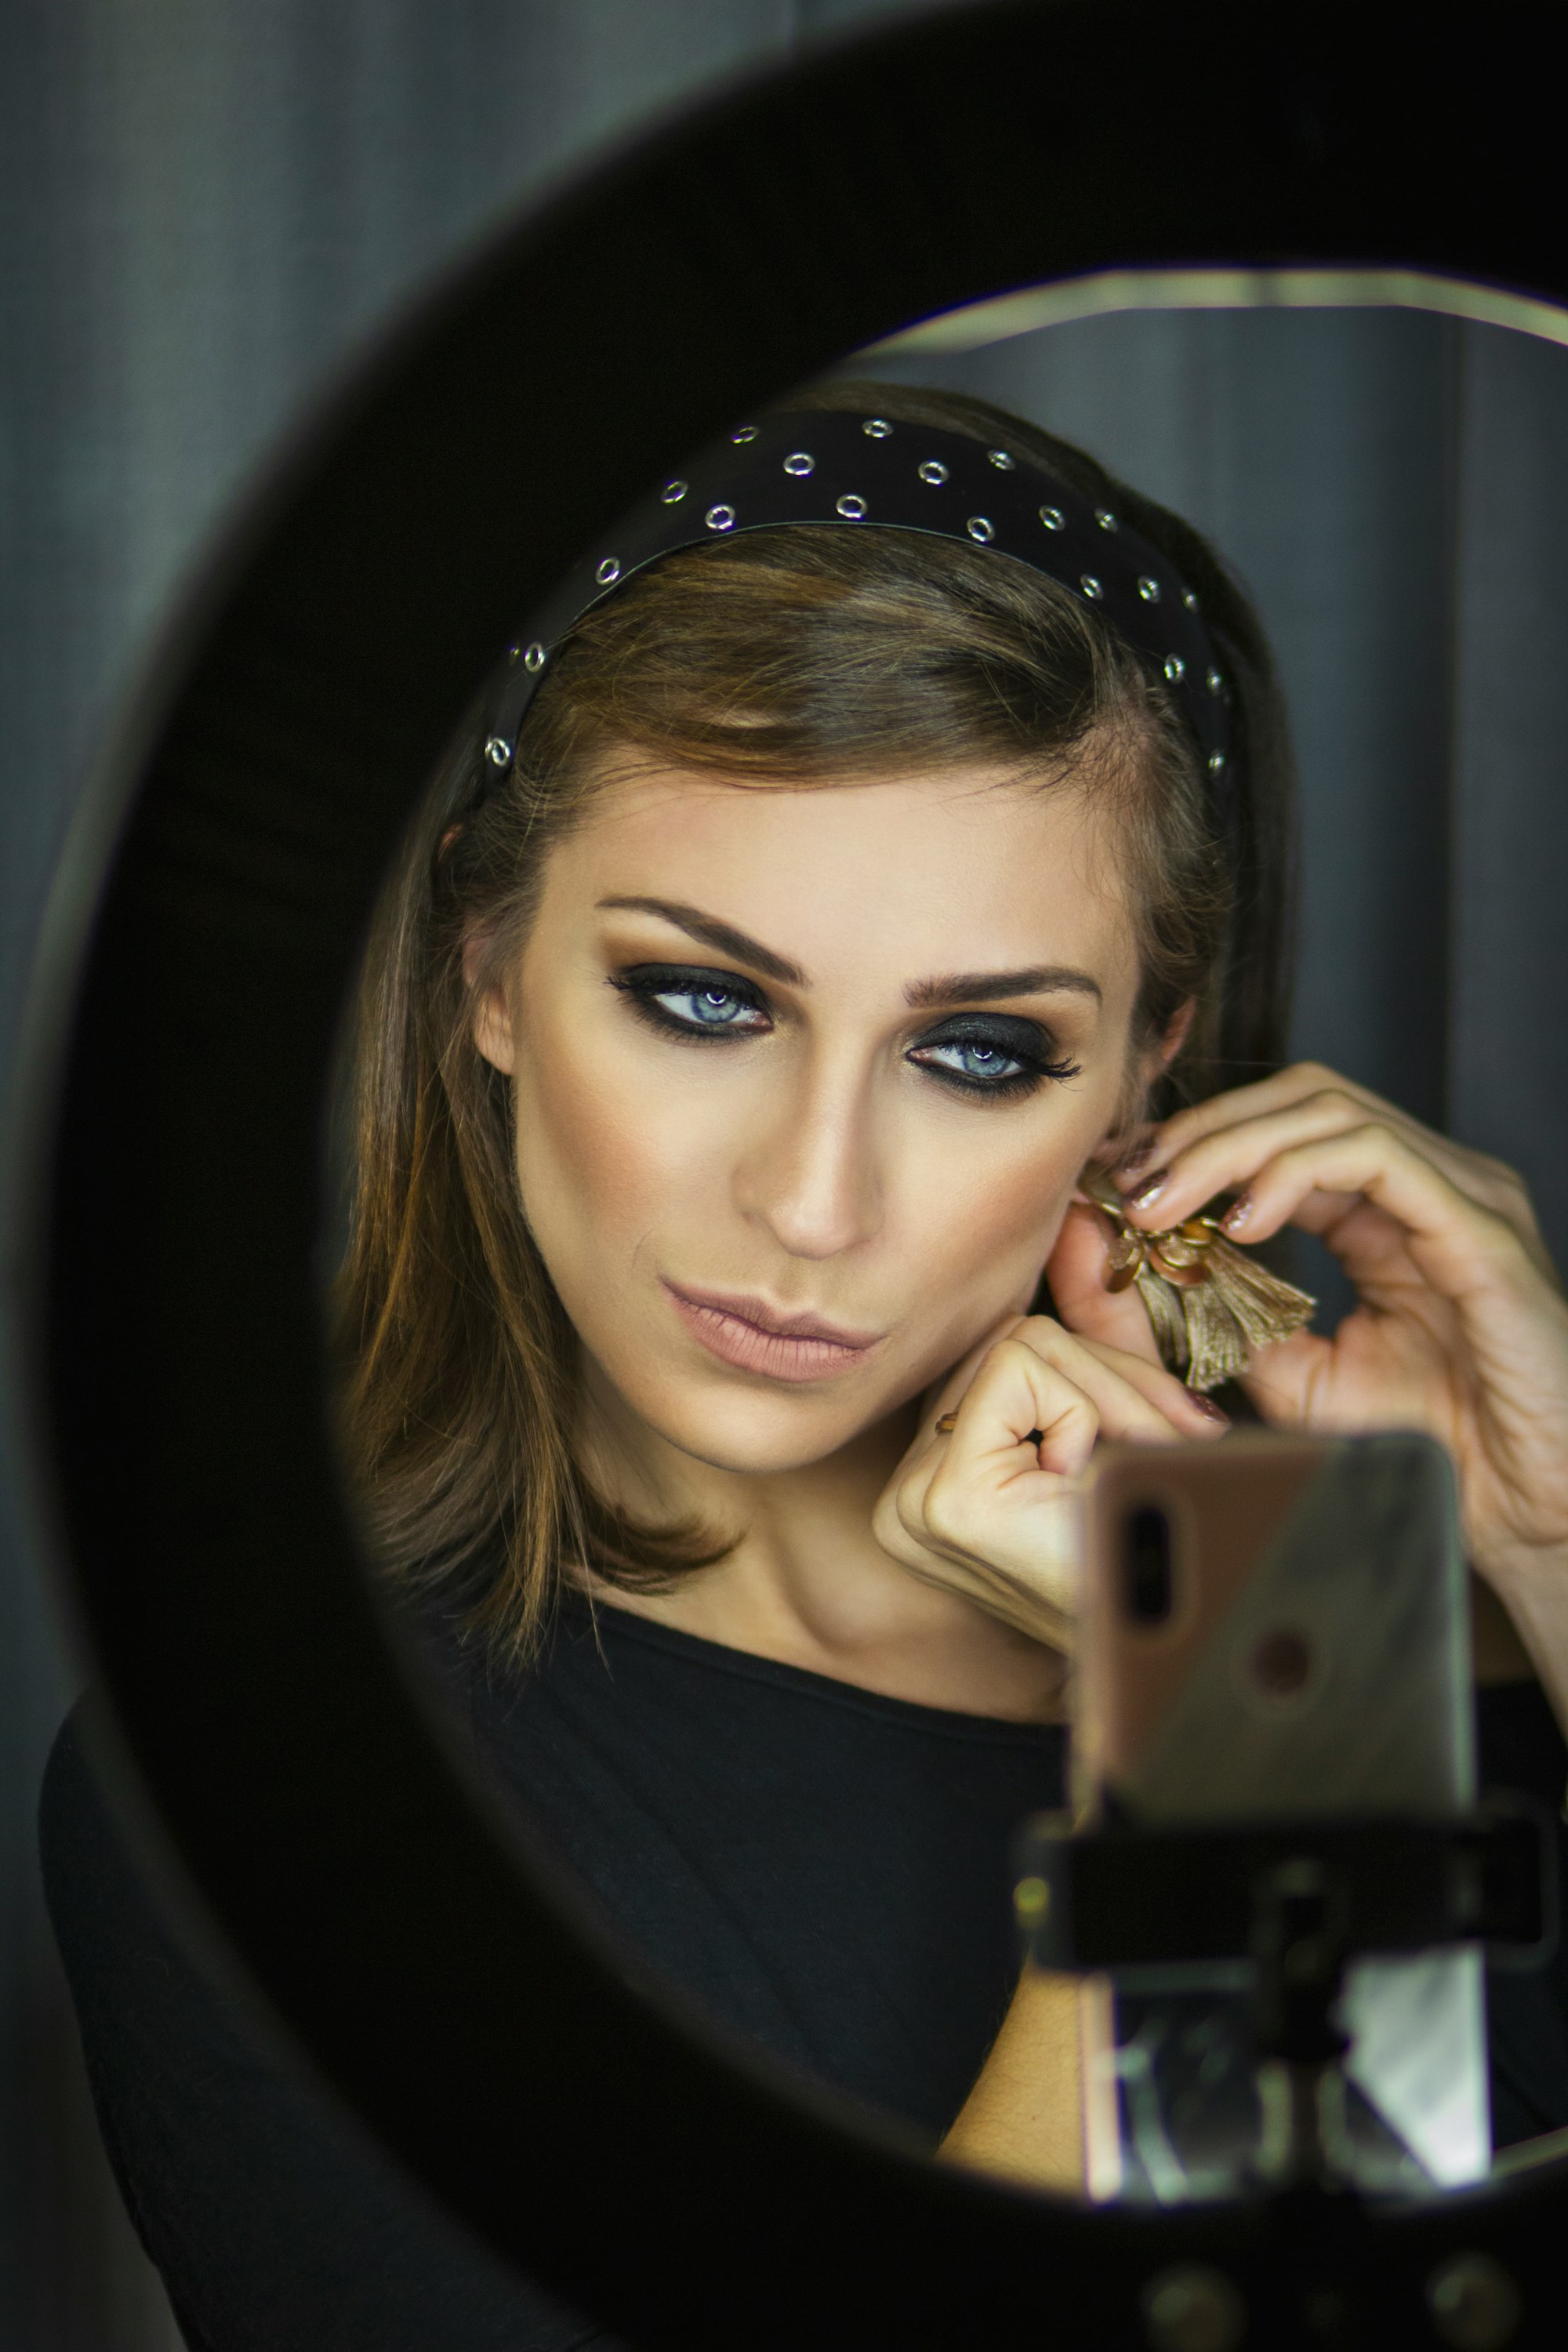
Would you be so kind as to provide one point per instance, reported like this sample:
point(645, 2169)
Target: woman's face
point(803, 1080)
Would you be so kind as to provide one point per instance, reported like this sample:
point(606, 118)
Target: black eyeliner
point(1010, 1035)
point(644, 983)
point(1019, 1039)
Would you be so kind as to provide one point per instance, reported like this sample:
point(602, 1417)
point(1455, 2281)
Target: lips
point(752, 1336)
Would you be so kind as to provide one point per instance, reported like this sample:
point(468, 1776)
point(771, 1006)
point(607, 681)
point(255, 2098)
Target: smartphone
point(1277, 1627)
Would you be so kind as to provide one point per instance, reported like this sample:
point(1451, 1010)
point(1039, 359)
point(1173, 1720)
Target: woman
point(882, 835)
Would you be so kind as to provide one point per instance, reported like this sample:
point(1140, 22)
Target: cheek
point(604, 1151)
point(1001, 1221)
point(980, 1223)
point(1001, 1179)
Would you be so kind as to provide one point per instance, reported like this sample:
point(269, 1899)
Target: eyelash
point(1021, 1042)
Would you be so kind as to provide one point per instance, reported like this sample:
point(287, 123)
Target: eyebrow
point(984, 987)
point(949, 987)
point(715, 934)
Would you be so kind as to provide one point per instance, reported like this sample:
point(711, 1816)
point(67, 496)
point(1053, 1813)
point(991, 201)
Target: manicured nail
point(1136, 1156)
point(1237, 1215)
point(1209, 1410)
point(1149, 1192)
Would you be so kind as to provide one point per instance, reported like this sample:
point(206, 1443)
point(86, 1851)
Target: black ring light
point(446, 1993)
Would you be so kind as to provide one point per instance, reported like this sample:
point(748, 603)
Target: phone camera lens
point(1282, 1663)
point(1148, 1565)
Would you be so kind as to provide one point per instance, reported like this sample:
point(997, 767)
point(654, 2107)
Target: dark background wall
point(205, 209)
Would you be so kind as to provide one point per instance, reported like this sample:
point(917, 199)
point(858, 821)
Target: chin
point(755, 1433)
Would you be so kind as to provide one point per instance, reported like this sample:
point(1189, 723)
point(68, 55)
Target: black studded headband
point(837, 467)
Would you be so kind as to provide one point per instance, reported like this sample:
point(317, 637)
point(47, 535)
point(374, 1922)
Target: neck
point(806, 1583)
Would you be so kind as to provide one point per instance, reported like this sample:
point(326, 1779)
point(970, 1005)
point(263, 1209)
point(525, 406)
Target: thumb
point(1077, 1270)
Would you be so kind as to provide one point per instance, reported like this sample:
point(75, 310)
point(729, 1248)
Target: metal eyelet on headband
point(932, 471)
point(498, 752)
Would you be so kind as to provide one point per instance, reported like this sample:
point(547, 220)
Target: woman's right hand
point(990, 1510)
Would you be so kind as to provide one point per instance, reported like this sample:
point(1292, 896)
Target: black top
point(820, 1867)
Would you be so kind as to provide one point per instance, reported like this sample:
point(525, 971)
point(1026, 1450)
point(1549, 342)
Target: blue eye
point(712, 1008)
point(692, 1003)
point(997, 1055)
point(971, 1061)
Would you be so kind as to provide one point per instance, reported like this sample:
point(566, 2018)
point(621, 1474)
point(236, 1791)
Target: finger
point(1263, 1097)
point(1230, 1157)
point(1020, 1566)
point(1132, 1399)
point(992, 1501)
point(1278, 1091)
point(1461, 1248)
point(997, 1498)
point(1016, 1392)
point(1106, 1373)
point(984, 1496)
point(1290, 1384)
point(1077, 1271)
point(1139, 1363)
point(1136, 1399)
point(1297, 1383)
point(943, 1397)
point(1488, 1182)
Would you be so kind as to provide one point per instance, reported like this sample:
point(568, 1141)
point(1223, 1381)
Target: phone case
point(1277, 1627)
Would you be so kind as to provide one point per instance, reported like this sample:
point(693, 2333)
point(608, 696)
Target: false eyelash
point(1021, 1041)
point(1023, 1081)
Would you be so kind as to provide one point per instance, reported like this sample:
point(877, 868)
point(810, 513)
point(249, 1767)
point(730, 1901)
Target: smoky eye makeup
point(998, 1055)
point(693, 1002)
point(985, 1055)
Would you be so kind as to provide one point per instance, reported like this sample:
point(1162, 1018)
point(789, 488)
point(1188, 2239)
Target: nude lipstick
point(752, 1336)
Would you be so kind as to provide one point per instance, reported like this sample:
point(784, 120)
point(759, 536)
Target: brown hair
point(786, 658)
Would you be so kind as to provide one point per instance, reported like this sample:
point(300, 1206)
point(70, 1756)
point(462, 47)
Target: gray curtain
point(207, 209)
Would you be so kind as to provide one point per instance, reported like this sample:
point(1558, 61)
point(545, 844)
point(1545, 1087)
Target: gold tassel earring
point(1212, 1306)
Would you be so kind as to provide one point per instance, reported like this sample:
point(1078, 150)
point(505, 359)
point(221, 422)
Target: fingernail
point(1149, 1191)
point(1237, 1215)
point(1209, 1410)
point(1137, 1155)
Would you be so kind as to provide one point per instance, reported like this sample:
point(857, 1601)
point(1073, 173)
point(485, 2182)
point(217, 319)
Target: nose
point(810, 1174)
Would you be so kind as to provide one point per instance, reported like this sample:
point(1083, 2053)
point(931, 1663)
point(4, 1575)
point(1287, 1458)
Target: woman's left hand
point(1460, 1328)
